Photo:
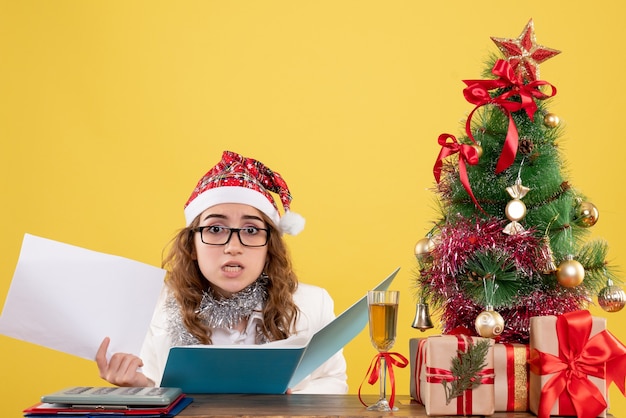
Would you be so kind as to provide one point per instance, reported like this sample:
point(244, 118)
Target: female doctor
point(230, 280)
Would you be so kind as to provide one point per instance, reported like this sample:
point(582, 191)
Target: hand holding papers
point(68, 298)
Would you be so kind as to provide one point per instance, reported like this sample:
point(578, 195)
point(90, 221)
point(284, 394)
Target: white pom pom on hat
point(291, 223)
point(237, 179)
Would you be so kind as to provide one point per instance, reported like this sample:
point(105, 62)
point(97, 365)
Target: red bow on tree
point(467, 153)
point(517, 96)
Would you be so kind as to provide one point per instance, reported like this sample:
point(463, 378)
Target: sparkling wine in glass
point(383, 316)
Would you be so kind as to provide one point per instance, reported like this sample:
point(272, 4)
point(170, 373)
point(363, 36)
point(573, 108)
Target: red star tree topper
point(524, 54)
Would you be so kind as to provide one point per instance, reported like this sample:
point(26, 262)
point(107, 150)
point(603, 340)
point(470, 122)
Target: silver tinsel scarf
point(216, 312)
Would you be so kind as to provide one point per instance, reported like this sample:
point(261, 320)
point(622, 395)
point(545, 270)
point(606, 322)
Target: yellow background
point(110, 111)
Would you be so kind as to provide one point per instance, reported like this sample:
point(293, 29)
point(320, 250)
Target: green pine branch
point(465, 368)
point(492, 279)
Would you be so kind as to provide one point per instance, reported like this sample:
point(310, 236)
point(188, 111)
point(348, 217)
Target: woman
point(230, 279)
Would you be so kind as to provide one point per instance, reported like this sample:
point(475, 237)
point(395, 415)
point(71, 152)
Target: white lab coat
point(316, 310)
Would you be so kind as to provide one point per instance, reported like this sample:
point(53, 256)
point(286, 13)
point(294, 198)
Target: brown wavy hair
point(187, 283)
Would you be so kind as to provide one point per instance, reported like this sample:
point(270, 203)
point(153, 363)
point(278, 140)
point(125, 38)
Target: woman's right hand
point(121, 369)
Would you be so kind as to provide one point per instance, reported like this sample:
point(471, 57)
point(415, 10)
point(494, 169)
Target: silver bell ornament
point(422, 319)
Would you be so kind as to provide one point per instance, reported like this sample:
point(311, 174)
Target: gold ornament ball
point(587, 214)
point(515, 210)
point(551, 120)
point(423, 247)
point(612, 298)
point(489, 324)
point(570, 273)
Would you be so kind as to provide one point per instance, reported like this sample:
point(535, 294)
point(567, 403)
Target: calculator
point(105, 395)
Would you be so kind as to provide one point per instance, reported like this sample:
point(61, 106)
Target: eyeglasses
point(250, 236)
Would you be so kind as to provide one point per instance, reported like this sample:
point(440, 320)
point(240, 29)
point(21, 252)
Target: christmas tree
point(512, 239)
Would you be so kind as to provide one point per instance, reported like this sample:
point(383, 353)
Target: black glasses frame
point(230, 235)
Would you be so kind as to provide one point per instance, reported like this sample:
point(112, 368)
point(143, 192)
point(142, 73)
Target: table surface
point(301, 405)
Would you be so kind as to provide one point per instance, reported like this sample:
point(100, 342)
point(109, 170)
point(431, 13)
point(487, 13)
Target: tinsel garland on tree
point(511, 238)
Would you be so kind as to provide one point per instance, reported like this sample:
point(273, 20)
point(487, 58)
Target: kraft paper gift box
point(431, 361)
point(573, 359)
point(511, 376)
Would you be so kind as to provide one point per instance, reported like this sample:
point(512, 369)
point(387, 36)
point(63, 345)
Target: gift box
point(432, 378)
point(573, 359)
point(511, 376)
point(413, 347)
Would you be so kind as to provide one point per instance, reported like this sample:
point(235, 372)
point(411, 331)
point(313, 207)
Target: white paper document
point(68, 298)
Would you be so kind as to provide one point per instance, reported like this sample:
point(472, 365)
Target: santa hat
point(237, 179)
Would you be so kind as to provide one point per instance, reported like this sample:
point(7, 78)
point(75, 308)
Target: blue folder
point(263, 369)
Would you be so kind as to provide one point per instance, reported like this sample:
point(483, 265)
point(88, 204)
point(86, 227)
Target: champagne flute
point(383, 316)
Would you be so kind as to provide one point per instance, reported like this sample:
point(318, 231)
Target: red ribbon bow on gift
point(477, 92)
point(374, 372)
point(467, 154)
point(579, 357)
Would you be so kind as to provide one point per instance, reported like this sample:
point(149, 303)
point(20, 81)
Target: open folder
point(269, 368)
